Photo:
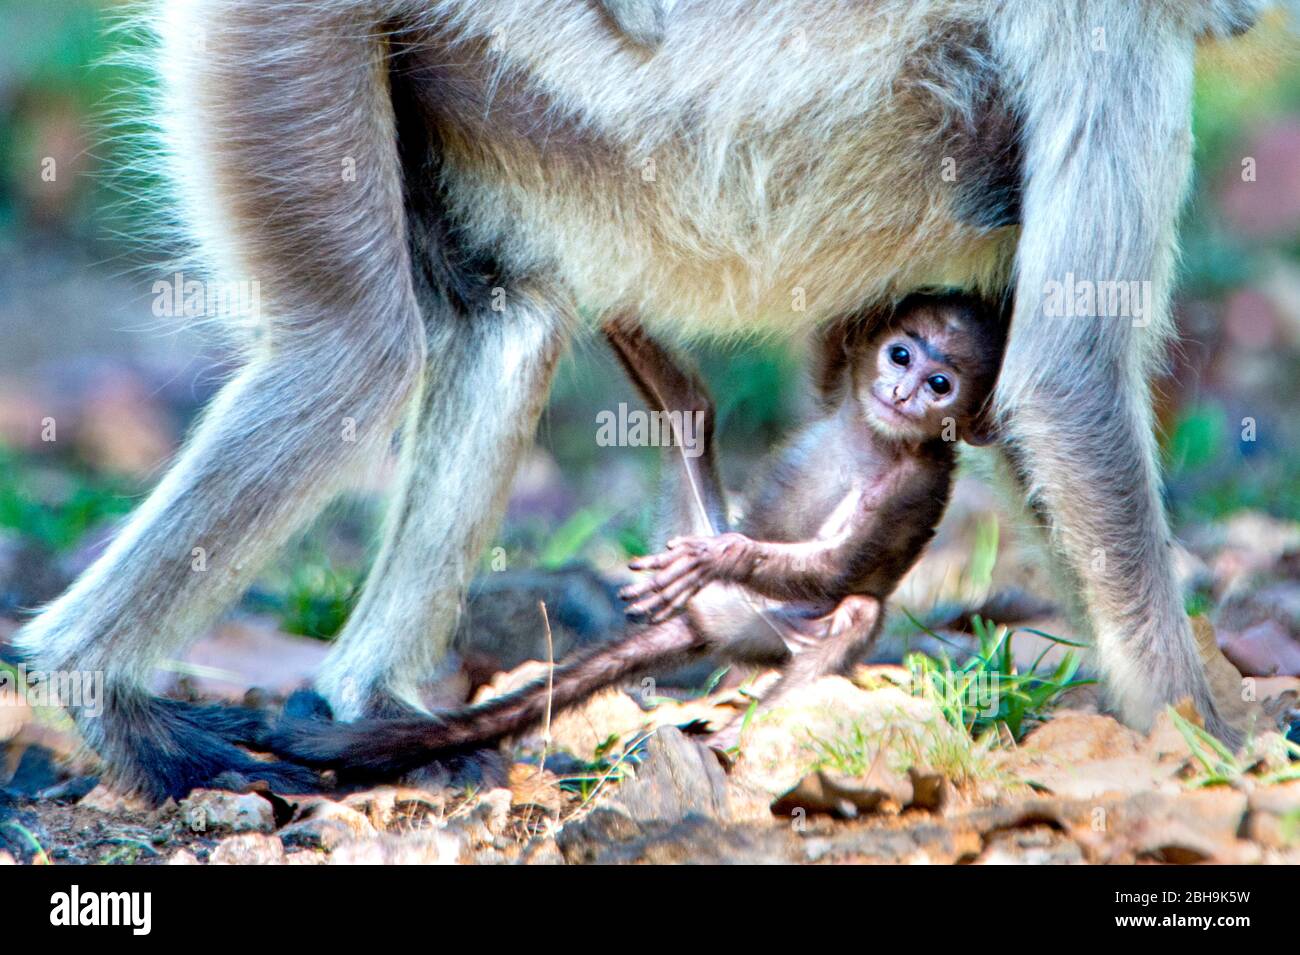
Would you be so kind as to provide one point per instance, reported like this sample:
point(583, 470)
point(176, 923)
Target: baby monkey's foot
point(680, 572)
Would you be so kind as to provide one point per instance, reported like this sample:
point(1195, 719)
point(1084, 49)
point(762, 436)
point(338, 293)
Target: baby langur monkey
point(844, 511)
point(847, 507)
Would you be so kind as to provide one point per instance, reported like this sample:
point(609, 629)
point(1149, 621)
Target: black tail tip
point(166, 749)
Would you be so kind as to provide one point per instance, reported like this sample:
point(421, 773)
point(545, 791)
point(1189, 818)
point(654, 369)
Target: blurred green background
point(80, 344)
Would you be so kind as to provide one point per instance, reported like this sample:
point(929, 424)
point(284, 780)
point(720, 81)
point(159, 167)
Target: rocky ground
point(870, 769)
point(850, 771)
point(878, 767)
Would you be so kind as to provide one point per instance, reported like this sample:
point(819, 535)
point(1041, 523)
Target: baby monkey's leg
point(850, 630)
point(692, 500)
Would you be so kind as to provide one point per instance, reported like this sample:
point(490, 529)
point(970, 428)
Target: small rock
point(1035, 845)
point(1264, 648)
point(931, 790)
point(493, 810)
point(1195, 826)
point(252, 848)
point(104, 799)
point(1279, 800)
point(413, 805)
point(7, 859)
point(182, 857)
point(1078, 738)
point(472, 834)
point(327, 826)
point(848, 796)
point(1198, 826)
point(418, 848)
point(389, 806)
point(379, 806)
point(217, 811)
point(501, 627)
point(1085, 755)
point(586, 839)
point(305, 857)
point(608, 836)
point(677, 777)
point(544, 850)
point(535, 789)
point(581, 729)
point(1273, 819)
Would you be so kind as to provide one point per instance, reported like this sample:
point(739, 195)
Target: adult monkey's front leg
point(486, 381)
point(1107, 156)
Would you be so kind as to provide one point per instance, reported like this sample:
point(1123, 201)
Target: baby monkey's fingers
point(660, 581)
point(653, 561)
point(693, 542)
point(663, 604)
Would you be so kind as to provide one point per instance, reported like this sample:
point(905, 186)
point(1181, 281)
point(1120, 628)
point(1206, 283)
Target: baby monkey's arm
point(821, 570)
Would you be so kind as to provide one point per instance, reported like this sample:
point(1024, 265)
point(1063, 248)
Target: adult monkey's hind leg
point(487, 378)
point(278, 95)
point(1107, 155)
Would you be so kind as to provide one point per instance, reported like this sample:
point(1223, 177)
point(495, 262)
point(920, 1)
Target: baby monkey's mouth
point(888, 413)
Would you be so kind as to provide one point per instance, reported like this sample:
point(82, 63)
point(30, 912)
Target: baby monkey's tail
point(390, 747)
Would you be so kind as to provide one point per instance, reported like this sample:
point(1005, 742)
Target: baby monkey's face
point(915, 378)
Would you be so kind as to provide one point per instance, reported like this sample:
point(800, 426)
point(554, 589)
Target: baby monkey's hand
point(686, 567)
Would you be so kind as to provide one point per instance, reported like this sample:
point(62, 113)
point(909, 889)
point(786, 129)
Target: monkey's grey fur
point(518, 163)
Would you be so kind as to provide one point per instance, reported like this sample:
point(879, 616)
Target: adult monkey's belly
point(771, 166)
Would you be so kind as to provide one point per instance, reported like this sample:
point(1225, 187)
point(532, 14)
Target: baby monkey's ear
point(830, 366)
point(642, 21)
point(835, 347)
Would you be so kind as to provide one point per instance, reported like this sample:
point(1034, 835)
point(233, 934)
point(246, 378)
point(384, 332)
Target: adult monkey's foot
point(163, 749)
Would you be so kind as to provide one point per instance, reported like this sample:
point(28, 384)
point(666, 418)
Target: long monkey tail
point(384, 748)
point(1104, 90)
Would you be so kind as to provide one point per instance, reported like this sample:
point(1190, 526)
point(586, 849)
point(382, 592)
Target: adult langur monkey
point(434, 194)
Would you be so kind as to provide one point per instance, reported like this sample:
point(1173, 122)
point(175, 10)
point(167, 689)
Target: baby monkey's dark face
point(925, 376)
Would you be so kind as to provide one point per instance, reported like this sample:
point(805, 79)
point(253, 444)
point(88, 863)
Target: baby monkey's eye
point(900, 356)
point(939, 384)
